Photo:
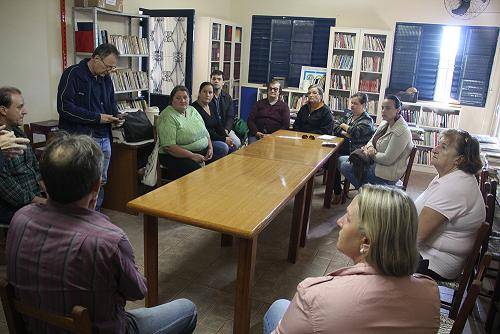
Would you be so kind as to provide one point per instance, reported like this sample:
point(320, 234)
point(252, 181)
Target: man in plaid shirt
point(19, 176)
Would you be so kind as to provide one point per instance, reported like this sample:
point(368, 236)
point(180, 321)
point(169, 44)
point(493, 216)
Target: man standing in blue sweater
point(86, 102)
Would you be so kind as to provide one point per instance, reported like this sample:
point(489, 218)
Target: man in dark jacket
point(223, 103)
point(86, 102)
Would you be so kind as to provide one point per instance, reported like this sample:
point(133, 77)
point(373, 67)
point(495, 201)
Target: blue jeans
point(221, 149)
point(105, 145)
point(274, 314)
point(346, 169)
point(177, 317)
point(252, 139)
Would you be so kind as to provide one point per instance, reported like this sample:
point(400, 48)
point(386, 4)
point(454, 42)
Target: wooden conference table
point(238, 195)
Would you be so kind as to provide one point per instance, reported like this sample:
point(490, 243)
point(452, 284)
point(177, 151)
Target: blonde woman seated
point(389, 149)
point(451, 209)
point(380, 293)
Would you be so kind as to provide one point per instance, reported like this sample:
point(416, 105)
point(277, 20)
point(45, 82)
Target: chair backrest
point(79, 322)
point(411, 158)
point(472, 294)
point(29, 135)
point(490, 202)
point(470, 263)
point(483, 177)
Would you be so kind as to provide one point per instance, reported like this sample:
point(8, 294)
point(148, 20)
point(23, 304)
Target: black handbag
point(137, 127)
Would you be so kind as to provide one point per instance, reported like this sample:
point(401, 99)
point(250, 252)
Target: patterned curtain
point(168, 43)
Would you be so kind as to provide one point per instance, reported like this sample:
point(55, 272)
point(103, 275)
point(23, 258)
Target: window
point(444, 62)
point(281, 45)
point(446, 68)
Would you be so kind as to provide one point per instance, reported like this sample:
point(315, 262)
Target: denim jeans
point(105, 145)
point(252, 139)
point(274, 314)
point(370, 177)
point(220, 150)
point(177, 317)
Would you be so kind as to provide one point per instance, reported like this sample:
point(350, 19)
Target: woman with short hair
point(314, 116)
point(380, 293)
point(451, 209)
point(388, 149)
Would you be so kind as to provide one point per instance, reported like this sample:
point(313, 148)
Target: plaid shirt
point(19, 178)
point(59, 256)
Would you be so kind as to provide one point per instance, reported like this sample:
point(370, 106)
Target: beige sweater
point(393, 150)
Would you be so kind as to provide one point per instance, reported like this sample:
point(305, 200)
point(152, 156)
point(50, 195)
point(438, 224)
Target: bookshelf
point(94, 26)
point(217, 46)
point(428, 119)
point(358, 61)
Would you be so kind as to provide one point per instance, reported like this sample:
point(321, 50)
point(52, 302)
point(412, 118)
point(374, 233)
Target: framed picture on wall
point(312, 76)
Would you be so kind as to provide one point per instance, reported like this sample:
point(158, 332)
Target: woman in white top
point(451, 209)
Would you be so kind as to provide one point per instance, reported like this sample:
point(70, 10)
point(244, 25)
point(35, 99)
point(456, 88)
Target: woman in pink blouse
point(380, 293)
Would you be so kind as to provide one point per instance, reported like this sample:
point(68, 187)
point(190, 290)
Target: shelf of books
point(94, 26)
point(357, 62)
point(218, 46)
point(427, 121)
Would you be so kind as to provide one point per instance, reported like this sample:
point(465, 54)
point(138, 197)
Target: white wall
point(30, 53)
point(31, 45)
point(31, 38)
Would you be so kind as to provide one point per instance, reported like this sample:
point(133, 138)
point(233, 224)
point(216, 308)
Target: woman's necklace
point(207, 109)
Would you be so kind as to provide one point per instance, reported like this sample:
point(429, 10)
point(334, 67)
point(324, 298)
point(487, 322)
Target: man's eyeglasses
point(274, 89)
point(108, 67)
point(308, 137)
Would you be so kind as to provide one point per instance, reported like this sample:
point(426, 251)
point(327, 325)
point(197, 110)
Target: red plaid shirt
point(60, 256)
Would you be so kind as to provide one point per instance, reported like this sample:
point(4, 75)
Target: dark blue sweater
point(82, 98)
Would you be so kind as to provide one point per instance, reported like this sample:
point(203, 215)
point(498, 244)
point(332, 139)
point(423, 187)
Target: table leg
point(297, 220)
point(330, 179)
point(151, 259)
point(226, 240)
point(307, 211)
point(244, 281)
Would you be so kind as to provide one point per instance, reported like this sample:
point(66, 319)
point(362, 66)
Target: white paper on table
point(326, 137)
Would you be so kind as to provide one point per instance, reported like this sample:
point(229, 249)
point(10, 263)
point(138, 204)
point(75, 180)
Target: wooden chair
point(482, 178)
point(455, 326)
point(494, 302)
point(492, 244)
point(461, 283)
point(79, 322)
point(29, 134)
point(405, 178)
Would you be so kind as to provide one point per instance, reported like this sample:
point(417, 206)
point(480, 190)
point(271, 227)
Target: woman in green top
point(184, 141)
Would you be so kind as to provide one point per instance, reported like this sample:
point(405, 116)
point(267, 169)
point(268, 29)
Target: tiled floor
point(193, 265)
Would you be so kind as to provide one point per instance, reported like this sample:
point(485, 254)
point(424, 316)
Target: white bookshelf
point(358, 61)
point(431, 119)
point(217, 45)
